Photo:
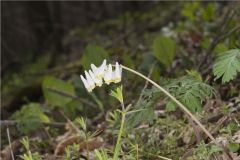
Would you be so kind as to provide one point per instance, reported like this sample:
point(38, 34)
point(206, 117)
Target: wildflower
point(87, 86)
point(117, 74)
point(108, 76)
point(88, 82)
point(105, 72)
point(97, 80)
point(99, 71)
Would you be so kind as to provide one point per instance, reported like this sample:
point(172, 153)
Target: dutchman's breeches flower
point(104, 72)
point(108, 75)
point(117, 75)
point(99, 71)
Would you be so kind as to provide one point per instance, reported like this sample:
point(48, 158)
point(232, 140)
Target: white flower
point(88, 82)
point(117, 74)
point(87, 86)
point(108, 75)
point(97, 80)
point(105, 72)
point(99, 71)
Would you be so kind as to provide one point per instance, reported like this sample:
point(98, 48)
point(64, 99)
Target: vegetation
point(173, 95)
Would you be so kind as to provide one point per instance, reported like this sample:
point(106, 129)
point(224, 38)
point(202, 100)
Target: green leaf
point(227, 65)
point(214, 149)
point(190, 9)
point(144, 110)
point(170, 106)
point(93, 54)
point(234, 147)
point(164, 49)
point(117, 93)
point(54, 98)
point(29, 118)
point(220, 48)
point(195, 74)
point(190, 92)
point(208, 12)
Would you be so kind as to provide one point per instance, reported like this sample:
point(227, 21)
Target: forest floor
point(190, 49)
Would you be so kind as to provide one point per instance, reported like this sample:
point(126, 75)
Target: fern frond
point(190, 92)
point(227, 65)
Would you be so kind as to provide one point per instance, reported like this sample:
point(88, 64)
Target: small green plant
point(30, 117)
point(71, 152)
point(29, 155)
point(84, 133)
point(204, 152)
point(101, 154)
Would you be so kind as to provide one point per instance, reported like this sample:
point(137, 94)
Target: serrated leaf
point(170, 106)
point(190, 92)
point(164, 49)
point(144, 110)
point(227, 65)
point(145, 113)
point(59, 85)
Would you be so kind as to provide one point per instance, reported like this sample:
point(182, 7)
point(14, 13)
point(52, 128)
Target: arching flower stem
point(174, 99)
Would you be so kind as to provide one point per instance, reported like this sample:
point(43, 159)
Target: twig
point(218, 37)
point(154, 155)
point(196, 129)
point(71, 123)
point(217, 116)
point(10, 144)
point(56, 70)
point(146, 83)
point(233, 30)
point(12, 123)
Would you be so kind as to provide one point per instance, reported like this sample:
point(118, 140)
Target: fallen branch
point(13, 123)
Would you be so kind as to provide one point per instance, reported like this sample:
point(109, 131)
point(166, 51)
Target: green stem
point(118, 145)
point(174, 99)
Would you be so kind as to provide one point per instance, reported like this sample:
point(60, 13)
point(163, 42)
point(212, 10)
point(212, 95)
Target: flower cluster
point(104, 72)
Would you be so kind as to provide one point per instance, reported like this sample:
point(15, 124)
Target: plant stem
point(118, 145)
point(87, 145)
point(137, 151)
point(10, 144)
point(175, 100)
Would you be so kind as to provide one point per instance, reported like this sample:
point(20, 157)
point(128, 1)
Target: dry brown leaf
point(92, 144)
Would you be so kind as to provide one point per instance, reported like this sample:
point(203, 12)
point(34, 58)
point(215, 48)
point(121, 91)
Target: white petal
point(84, 81)
point(94, 68)
point(104, 63)
point(117, 73)
point(110, 68)
point(89, 80)
point(87, 86)
point(95, 79)
point(108, 75)
point(102, 69)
